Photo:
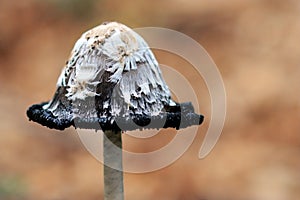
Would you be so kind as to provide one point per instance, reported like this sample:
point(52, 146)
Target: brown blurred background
point(255, 44)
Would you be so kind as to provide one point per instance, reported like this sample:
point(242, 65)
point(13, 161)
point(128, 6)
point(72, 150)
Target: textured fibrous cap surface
point(111, 73)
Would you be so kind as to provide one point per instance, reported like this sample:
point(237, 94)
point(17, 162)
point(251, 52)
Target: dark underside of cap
point(178, 116)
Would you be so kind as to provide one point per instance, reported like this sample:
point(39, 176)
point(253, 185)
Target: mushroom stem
point(113, 167)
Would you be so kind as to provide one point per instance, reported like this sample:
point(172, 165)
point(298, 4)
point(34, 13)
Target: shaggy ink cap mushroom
point(112, 79)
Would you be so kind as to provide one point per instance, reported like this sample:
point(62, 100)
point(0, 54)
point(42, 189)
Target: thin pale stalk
point(113, 167)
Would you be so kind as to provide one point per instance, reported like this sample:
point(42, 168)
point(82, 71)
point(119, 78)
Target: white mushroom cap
point(113, 79)
point(113, 65)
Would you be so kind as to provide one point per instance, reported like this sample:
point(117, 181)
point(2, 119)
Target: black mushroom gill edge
point(179, 116)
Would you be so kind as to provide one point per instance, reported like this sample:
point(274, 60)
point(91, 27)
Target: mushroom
point(112, 82)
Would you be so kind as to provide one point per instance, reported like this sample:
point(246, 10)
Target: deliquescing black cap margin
point(179, 116)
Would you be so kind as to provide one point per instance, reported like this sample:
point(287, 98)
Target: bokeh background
point(255, 44)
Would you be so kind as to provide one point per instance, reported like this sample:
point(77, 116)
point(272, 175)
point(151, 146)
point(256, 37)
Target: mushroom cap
point(112, 78)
